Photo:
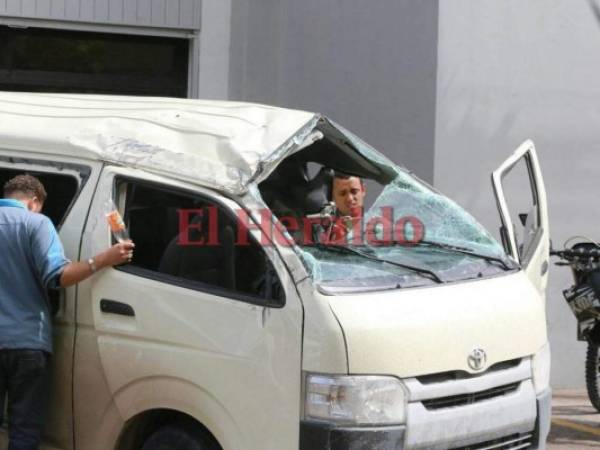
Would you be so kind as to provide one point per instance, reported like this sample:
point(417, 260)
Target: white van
point(235, 328)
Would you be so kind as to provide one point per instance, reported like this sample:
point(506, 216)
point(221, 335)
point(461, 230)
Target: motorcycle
point(583, 299)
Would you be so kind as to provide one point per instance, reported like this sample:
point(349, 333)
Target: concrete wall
point(511, 70)
point(369, 65)
point(214, 46)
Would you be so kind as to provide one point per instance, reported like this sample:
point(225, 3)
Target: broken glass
point(407, 211)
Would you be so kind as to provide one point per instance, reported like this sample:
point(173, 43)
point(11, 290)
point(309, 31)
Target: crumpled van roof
point(224, 145)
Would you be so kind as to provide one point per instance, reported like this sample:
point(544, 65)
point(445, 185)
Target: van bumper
point(320, 436)
point(544, 408)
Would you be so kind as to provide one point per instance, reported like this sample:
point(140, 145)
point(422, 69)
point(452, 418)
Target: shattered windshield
point(408, 230)
point(410, 235)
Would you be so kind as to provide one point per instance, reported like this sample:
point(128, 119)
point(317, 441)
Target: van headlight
point(541, 369)
point(354, 400)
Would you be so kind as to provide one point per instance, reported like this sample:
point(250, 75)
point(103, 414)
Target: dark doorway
point(44, 60)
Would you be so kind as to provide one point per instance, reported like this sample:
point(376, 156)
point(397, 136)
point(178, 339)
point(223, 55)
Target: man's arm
point(76, 272)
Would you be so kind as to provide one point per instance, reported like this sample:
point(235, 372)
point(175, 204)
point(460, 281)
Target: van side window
point(521, 194)
point(184, 239)
point(61, 189)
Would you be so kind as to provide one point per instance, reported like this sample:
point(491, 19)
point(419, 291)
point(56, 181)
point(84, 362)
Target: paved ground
point(575, 423)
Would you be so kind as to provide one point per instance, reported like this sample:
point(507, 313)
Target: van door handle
point(113, 307)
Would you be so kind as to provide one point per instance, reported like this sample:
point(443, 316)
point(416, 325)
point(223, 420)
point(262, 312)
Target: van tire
point(592, 374)
point(178, 437)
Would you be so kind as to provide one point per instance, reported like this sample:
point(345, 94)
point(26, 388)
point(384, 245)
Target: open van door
point(521, 199)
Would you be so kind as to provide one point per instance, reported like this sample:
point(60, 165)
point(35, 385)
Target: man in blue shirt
point(32, 261)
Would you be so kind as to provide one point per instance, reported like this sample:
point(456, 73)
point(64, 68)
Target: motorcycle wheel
point(592, 374)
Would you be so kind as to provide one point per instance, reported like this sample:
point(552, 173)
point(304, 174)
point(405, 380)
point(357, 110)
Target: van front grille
point(513, 442)
point(455, 375)
point(468, 399)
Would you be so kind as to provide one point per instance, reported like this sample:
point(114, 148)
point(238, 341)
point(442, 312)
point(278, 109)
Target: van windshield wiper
point(465, 251)
point(370, 256)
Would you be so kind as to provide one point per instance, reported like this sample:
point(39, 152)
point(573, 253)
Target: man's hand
point(119, 253)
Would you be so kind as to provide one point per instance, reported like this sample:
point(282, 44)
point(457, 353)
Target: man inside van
point(348, 193)
point(33, 260)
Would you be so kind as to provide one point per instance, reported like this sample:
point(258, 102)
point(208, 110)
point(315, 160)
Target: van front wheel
point(174, 437)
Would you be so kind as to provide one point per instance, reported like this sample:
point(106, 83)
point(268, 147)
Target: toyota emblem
point(476, 359)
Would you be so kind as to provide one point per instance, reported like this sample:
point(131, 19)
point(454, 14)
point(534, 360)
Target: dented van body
point(236, 327)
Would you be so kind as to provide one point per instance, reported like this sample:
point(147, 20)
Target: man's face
point(348, 195)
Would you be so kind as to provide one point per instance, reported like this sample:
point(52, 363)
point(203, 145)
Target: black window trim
point(83, 170)
point(182, 282)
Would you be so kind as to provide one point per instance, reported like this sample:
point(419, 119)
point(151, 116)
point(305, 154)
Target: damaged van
point(239, 326)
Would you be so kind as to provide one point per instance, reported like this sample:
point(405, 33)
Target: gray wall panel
point(159, 16)
point(57, 9)
point(257, 51)
point(239, 49)
point(369, 65)
point(115, 11)
point(72, 10)
point(172, 14)
point(129, 12)
point(44, 7)
point(86, 10)
point(214, 43)
point(144, 12)
point(175, 14)
point(509, 71)
point(198, 13)
point(101, 10)
point(186, 12)
point(28, 7)
point(13, 7)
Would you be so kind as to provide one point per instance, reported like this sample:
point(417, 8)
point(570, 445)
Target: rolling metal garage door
point(51, 60)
